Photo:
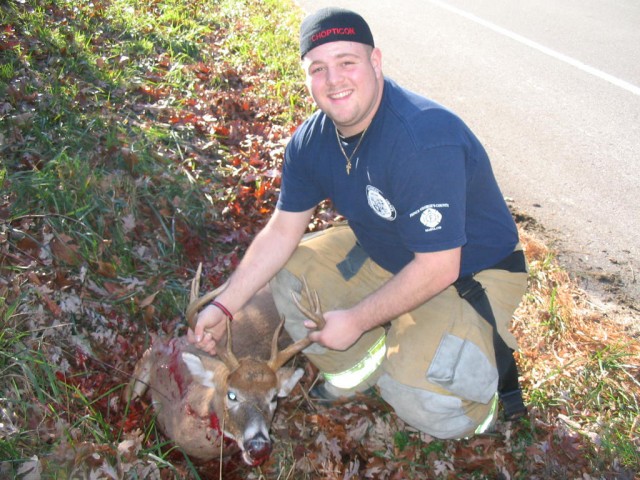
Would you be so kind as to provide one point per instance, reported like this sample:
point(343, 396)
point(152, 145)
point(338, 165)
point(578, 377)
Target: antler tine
point(312, 298)
point(274, 341)
point(278, 359)
point(226, 352)
point(196, 303)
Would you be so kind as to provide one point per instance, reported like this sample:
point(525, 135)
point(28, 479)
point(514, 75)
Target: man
point(423, 210)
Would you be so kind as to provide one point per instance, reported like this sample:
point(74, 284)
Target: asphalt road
point(553, 91)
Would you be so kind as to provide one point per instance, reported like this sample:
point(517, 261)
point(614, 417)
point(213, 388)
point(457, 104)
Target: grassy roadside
point(139, 137)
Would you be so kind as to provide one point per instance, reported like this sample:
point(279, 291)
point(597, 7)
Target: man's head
point(332, 25)
point(343, 68)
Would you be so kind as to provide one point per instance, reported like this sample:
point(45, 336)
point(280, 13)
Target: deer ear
point(197, 369)
point(287, 379)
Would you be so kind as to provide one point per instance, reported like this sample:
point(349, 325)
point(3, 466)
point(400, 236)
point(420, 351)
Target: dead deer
point(202, 401)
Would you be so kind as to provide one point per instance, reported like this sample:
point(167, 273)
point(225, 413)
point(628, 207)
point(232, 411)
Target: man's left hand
point(340, 330)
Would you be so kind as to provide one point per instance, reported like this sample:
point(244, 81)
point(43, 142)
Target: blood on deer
point(203, 402)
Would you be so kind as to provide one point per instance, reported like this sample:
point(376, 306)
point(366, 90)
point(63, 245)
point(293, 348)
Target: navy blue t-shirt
point(420, 182)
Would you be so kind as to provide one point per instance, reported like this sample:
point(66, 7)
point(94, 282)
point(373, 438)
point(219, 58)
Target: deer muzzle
point(257, 450)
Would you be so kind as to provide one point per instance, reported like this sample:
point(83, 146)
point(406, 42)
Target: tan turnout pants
point(435, 365)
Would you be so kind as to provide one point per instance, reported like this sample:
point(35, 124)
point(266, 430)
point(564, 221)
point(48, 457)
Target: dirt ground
point(614, 294)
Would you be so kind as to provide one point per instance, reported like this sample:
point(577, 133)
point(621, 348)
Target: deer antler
point(195, 303)
point(226, 352)
point(314, 313)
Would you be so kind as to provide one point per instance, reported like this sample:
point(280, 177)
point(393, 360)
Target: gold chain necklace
point(349, 157)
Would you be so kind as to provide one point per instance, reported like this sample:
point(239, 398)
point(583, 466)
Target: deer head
point(246, 390)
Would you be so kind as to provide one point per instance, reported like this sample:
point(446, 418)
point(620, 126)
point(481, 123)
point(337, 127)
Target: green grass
point(583, 365)
point(107, 196)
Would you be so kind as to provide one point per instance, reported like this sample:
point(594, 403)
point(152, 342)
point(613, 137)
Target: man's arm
point(423, 278)
point(267, 254)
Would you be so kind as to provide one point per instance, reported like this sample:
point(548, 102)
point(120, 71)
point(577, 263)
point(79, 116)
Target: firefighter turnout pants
point(434, 365)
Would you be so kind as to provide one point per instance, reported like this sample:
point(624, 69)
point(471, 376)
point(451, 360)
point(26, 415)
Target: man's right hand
point(210, 328)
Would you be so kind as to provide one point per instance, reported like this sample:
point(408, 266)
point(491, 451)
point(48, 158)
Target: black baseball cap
point(333, 24)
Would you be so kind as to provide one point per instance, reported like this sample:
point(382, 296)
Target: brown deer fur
point(201, 400)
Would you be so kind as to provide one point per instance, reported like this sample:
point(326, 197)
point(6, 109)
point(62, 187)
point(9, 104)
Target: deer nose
point(258, 448)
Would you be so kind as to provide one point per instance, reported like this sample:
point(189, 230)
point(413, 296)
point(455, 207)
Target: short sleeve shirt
point(420, 182)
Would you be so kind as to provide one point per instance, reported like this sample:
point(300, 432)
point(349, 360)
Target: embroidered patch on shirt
point(379, 204)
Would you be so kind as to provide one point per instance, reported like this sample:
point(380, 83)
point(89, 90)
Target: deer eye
point(274, 399)
point(232, 396)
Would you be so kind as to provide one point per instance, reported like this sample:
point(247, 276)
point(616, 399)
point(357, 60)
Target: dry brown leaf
point(65, 250)
point(106, 269)
point(148, 300)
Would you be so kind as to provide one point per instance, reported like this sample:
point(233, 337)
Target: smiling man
point(419, 287)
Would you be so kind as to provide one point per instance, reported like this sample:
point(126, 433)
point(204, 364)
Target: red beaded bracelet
point(224, 309)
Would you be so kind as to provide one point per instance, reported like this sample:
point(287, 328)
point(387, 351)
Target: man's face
point(345, 80)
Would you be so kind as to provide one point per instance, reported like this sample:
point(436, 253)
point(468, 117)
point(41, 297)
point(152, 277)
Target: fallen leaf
point(106, 269)
point(148, 300)
point(63, 249)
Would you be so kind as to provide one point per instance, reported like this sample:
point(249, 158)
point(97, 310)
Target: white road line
point(541, 48)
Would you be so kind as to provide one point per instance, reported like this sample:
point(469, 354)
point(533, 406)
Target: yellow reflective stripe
point(486, 424)
point(362, 370)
